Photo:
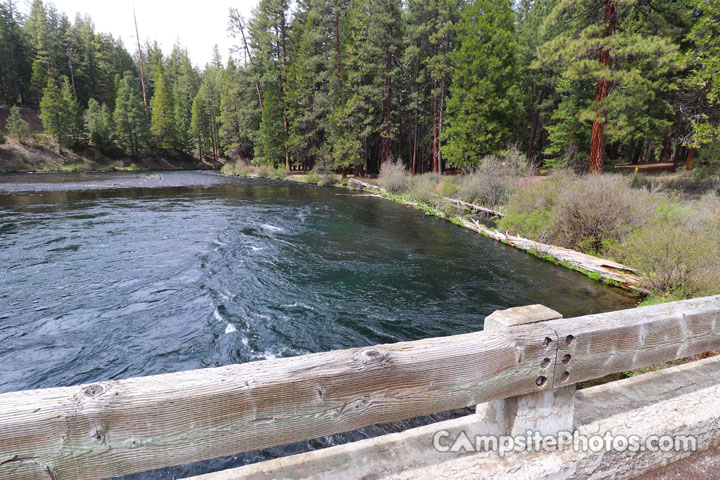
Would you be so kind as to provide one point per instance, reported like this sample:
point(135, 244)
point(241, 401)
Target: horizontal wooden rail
point(593, 346)
point(120, 427)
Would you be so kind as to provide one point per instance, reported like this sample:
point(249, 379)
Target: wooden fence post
point(547, 411)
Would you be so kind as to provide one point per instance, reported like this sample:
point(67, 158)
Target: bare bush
point(395, 177)
point(599, 210)
point(492, 183)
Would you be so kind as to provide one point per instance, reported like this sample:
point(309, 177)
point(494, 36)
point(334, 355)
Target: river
point(110, 276)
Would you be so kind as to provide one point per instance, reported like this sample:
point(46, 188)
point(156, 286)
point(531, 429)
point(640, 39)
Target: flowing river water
point(110, 276)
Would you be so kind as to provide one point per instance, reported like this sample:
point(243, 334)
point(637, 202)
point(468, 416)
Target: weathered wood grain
point(593, 346)
point(120, 427)
point(115, 428)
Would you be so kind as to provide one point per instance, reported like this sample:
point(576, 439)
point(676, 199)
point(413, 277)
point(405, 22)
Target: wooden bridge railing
point(116, 428)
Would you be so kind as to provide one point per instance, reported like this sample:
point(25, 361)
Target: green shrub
point(678, 251)
point(265, 171)
point(395, 177)
point(528, 212)
point(448, 189)
point(312, 177)
point(328, 179)
point(422, 187)
point(591, 213)
point(16, 126)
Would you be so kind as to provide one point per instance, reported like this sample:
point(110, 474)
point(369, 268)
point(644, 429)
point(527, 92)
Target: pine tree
point(187, 83)
point(269, 37)
point(13, 52)
point(16, 126)
point(239, 112)
point(536, 85)
point(430, 39)
point(98, 122)
point(52, 114)
point(162, 124)
point(200, 126)
point(366, 123)
point(616, 63)
point(205, 112)
point(704, 81)
point(71, 112)
point(311, 78)
point(132, 129)
point(482, 107)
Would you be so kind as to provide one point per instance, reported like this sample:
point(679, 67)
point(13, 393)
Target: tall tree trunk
point(72, 73)
point(679, 151)
point(597, 146)
point(252, 65)
point(436, 136)
point(283, 28)
point(440, 126)
point(388, 93)
point(415, 138)
point(667, 146)
point(337, 52)
point(533, 129)
point(142, 62)
point(688, 161)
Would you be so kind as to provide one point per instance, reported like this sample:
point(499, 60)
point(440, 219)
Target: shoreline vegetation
point(655, 237)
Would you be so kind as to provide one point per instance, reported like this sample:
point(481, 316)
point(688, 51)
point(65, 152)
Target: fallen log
point(617, 273)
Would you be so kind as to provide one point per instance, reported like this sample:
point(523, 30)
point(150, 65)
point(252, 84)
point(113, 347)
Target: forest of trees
point(352, 84)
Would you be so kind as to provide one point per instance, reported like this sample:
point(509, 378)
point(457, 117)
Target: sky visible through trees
point(352, 84)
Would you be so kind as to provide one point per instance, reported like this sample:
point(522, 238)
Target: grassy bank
point(667, 228)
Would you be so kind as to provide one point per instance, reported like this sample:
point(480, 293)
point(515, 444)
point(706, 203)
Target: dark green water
point(113, 276)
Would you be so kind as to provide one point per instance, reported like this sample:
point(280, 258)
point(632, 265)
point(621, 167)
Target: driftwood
point(472, 206)
point(359, 184)
point(618, 273)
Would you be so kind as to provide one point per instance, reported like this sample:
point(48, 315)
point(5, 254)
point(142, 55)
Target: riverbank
point(36, 156)
point(466, 215)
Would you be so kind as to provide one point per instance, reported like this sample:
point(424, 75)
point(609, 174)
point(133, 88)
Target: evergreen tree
point(239, 112)
point(269, 37)
point(71, 112)
point(162, 124)
point(200, 126)
point(616, 62)
point(185, 88)
point(13, 52)
point(482, 107)
point(311, 77)
point(98, 122)
point(52, 114)
point(366, 123)
point(16, 126)
point(205, 112)
point(132, 129)
point(705, 59)
point(537, 94)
